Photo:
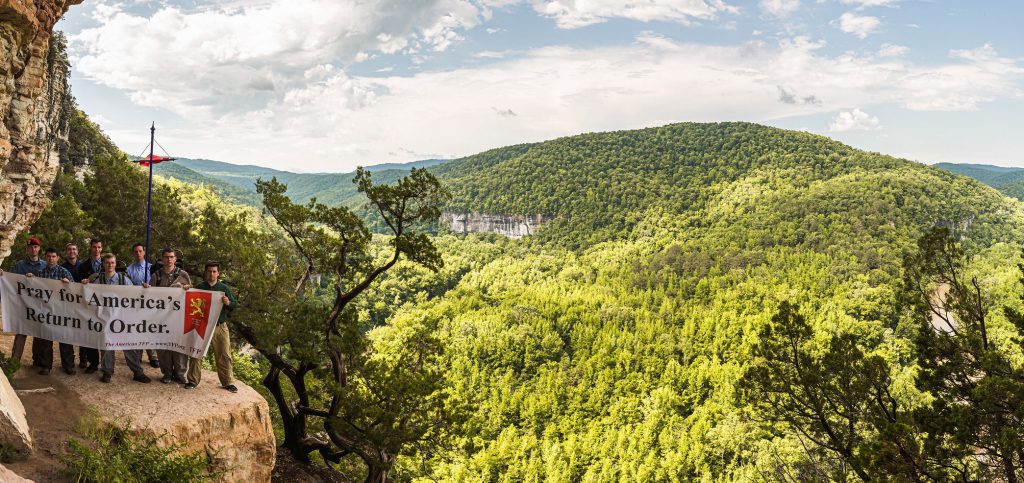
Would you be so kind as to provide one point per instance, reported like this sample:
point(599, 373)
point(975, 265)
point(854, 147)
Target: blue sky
point(327, 85)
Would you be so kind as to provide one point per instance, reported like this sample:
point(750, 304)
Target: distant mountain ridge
point(1009, 181)
point(238, 182)
point(600, 186)
point(597, 186)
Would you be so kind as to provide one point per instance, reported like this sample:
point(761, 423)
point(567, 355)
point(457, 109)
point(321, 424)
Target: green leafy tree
point(338, 391)
point(978, 390)
point(837, 400)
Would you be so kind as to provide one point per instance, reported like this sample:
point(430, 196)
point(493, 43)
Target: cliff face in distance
point(32, 88)
point(511, 226)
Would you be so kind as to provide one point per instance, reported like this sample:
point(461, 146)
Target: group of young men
point(101, 268)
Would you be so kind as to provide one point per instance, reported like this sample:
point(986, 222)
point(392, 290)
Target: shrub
point(9, 365)
point(111, 453)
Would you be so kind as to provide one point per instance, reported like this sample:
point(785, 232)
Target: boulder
point(8, 476)
point(234, 429)
point(14, 433)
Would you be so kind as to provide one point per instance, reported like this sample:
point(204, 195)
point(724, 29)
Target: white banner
point(110, 317)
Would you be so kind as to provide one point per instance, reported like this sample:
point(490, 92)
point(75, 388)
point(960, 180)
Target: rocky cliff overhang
point(28, 157)
point(235, 430)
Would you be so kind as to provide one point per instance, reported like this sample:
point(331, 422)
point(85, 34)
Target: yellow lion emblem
point(197, 308)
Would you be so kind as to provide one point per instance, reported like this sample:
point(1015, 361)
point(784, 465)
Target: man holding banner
point(221, 342)
point(111, 314)
point(86, 269)
point(139, 271)
point(42, 350)
point(30, 264)
point(109, 276)
point(172, 364)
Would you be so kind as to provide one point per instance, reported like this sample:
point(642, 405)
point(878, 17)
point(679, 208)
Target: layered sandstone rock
point(30, 111)
point(14, 433)
point(234, 429)
point(511, 226)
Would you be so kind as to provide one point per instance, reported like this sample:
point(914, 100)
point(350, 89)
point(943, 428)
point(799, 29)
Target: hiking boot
point(179, 379)
point(166, 379)
point(154, 363)
point(70, 371)
point(105, 378)
point(230, 388)
point(44, 371)
point(90, 369)
point(140, 377)
point(190, 386)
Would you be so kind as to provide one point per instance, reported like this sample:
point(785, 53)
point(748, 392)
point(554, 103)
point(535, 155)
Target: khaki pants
point(220, 345)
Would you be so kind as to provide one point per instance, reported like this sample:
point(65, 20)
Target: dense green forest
point(634, 339)
point(610, 347)
point(1009, 181)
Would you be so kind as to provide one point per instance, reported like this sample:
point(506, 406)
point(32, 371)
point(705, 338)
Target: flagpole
point(149, 198)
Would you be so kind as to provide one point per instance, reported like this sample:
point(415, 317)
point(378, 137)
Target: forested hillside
point(613, 346)
point(600, 186)
point(626, 342)
point(1009, 181)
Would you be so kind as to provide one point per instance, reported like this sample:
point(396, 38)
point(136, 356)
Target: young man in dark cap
point(30, 265)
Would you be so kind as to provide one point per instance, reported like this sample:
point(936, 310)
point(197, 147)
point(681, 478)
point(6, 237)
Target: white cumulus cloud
point(892, 50)
point(870, 3)
point(855, 120)
point(780, 8)
point(224, 57)
point(858, 25)
point(580, 13)
point(341, 121)
point(259, 83)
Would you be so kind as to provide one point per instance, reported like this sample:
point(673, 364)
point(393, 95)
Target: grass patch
point(104, 452)
point(9, 365)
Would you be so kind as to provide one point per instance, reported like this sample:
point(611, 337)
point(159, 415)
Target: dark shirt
point(88, 267)
point(221, 287)
point(73, 268)
point(28, 266)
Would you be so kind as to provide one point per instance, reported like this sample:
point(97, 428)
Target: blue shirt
point(55, 272)
point(138, 271)
point(117, 279)
point(28, 266)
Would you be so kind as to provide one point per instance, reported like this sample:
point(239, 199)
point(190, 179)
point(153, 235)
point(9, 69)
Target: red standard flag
point(197, 312)
point(154, 159)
